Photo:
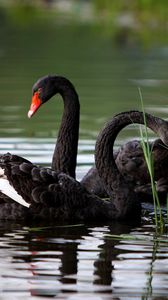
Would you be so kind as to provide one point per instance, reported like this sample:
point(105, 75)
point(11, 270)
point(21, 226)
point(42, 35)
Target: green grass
point(159, 221)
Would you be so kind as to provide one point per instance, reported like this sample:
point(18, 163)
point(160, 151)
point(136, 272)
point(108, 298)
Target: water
point(118, 260)
point(122, 260)
point(80, 261)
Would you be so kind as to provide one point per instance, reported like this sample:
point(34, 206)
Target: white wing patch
point(1, 172)
point(9, 191)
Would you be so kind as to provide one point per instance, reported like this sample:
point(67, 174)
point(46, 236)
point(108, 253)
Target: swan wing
point(25, 182)
point(9, 191)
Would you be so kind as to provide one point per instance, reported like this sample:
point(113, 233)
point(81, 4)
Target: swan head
point(42, 91)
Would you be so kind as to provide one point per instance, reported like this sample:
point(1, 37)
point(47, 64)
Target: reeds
point(159, 221)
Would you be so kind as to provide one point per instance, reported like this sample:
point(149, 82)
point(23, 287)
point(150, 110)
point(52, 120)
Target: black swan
point(131, 163)
point(54, 195)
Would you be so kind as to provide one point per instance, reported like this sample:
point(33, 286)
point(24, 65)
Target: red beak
point(35, 104)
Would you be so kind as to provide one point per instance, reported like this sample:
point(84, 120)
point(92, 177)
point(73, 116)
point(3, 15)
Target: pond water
point(116, 260)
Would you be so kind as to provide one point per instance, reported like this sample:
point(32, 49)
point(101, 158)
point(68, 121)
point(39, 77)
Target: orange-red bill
point(35, 104)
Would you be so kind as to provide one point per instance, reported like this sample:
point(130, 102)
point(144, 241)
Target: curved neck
point(65, 153)
point(104, 159)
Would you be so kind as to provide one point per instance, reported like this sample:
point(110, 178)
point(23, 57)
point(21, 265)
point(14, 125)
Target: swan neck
point(104, 159)
point(65, 153)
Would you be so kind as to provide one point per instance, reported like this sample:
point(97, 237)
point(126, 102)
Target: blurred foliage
point(143, 19)
point(101, 56)
point(126, 21)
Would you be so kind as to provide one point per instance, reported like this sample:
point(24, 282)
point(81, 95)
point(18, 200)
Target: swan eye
point(39, 91)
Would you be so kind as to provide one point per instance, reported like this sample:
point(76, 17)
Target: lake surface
point(78, 261)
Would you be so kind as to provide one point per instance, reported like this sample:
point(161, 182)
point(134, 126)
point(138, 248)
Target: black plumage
point(55, 195)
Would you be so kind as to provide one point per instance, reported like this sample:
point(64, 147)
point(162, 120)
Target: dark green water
point(81, 261)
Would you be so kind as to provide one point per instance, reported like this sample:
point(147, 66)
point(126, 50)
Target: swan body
point(50, 195)
point(55, 195)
